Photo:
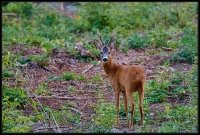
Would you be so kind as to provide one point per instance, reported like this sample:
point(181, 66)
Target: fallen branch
point(81, 91)
point(174, 86)
point(49, 128)
point(148, 77)
point(10, 14)
point(87, 69)
point(75, 110)
point(167, 49)
point(105, 86)
point(59, 97)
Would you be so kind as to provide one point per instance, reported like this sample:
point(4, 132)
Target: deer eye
point(101, 52)
point(108, 52)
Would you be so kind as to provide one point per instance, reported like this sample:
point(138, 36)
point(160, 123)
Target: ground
point(69, 93)
point(83, 96)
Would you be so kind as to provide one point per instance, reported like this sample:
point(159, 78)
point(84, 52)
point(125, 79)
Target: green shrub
point(69, 76)
point(7, 73)
point(138, 41)
point(157, 92)
point(95, 14)
point(185, 54)
point(96, 78)
point(94, 52)
point(66, 116)
point(51, 19)
point(42, 89)
point(17, 95)
point(14, 121)
point(187, 51)
point(23, 9)
point(9, 60)
point(41, 61)
point(158, 36)
point(105, 116)
point(180, 119)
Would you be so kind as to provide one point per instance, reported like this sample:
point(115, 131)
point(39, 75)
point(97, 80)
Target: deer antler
point(111, 39)
point(100, 38)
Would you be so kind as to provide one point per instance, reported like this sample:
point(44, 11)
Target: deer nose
point(105, 59)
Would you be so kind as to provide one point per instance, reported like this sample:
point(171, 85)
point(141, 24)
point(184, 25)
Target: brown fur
point(126, 79)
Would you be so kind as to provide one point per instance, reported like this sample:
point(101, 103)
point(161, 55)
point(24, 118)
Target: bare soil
point(84, 98)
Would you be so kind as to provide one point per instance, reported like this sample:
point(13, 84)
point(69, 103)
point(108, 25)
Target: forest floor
point(72, 93)
point(85, 95)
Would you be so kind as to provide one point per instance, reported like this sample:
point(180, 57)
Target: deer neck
point(109, 67)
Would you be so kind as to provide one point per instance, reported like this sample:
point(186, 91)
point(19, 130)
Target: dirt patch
point(82, 96)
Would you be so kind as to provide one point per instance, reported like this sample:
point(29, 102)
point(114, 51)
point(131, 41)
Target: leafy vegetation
point(72, 76)
point(105, 117)
point(12, 118)
point(134, 25)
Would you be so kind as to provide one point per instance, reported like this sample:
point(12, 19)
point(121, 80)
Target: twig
point(43, 110)
point(60, 91)
point(151, 76)
point(59, 97)
point(75, 110)
point(50, 128)
point(58, 129)
point(105, 86)
point(87, 69)
point(10, 14)
point(158, 61)
point(84, 105)
point(174, 86)
point(167, 49)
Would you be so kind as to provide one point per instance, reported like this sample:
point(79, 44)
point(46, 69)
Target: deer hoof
point(117, 125)
point(131, 126)
point(141, 124)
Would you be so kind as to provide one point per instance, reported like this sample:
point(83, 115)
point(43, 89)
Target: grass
point(104, 118)
point(155, 25)
point(12, 117)
point(73, 76)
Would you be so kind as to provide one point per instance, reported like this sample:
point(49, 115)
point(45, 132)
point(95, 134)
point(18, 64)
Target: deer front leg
point(117, 107)
point(132, 112)
point(126, 106)
point(130, 102)
point(141, 96)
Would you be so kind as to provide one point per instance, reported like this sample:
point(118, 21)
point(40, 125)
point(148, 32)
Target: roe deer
point(125, 79)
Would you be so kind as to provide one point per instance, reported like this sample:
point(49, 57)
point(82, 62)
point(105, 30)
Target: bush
point(13, 120)
point(187, 51)
point(23, 9)
point(105, 117)
point(95, 14)
point(69, 76)
point(51, 19)
point(157, 91)
point(16, 95)
point(179, 119)
point(138, 41)
point(185, 54)
point(158, 36)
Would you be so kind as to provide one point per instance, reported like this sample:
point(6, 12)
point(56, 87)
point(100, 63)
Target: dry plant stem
point(41, 106)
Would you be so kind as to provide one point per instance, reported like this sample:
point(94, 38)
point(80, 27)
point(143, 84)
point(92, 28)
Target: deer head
point(105, 49)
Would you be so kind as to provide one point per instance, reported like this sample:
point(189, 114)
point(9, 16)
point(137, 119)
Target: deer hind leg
point(117, 107)
point(141, 96)
point(126, 106)
point(131, 102)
